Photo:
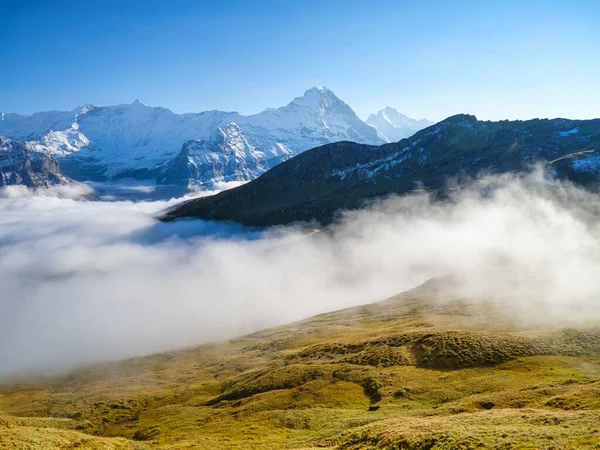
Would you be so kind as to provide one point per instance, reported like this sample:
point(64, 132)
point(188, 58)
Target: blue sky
point(495, 59)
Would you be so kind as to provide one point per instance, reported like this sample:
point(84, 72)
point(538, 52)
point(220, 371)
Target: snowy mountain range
point(392, 126)
point(142, 142)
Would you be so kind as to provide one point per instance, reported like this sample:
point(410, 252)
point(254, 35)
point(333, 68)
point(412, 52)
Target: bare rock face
point(20, 166)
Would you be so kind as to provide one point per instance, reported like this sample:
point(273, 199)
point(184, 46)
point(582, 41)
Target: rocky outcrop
point(20, 166)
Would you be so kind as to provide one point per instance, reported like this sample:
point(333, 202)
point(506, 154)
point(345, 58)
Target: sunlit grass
point(411, 372)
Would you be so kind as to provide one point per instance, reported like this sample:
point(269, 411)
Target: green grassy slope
point(412, 372)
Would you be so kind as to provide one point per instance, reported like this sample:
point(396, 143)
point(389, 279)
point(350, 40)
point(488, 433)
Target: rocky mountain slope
point(423, 370)
point(392, 126)
point(321, 181)
point(143, 142)
point(20, 166)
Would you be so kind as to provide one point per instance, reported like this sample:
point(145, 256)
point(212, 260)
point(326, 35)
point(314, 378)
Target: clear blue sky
point(495, 59)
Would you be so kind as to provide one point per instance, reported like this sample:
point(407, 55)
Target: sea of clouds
point(84, 281)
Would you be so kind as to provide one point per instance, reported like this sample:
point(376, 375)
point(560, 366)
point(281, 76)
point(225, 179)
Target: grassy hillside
point(419, 371)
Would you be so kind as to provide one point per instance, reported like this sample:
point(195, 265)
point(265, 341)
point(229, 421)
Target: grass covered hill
point(422, 370)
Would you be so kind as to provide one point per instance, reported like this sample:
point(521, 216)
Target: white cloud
point(72, 191)
point(85, 281)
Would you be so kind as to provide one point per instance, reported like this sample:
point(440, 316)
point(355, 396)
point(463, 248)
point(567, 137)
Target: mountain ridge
point(102, 143)
point(326, 179)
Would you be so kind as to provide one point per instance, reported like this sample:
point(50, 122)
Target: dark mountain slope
point(321, 181)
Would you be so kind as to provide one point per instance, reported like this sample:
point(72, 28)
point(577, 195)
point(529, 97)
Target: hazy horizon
point(362, 117)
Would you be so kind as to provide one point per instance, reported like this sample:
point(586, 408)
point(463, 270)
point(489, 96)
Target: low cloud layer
point(71, 191)
point(85, 281)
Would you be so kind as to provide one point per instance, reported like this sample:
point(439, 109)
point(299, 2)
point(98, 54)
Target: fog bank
point(85, 281)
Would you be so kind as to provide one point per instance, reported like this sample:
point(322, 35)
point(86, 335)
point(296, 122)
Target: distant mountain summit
point(316, 184)
point(318, 117)
point(392, 126)
point(100, 143)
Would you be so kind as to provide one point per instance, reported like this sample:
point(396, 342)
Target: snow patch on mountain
point(571, 131)
point(373, 168)
point(226, 156)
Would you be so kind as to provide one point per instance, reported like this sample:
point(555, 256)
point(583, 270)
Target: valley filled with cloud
point(87, 281)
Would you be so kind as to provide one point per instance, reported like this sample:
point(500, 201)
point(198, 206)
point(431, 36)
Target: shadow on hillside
point(192, 229)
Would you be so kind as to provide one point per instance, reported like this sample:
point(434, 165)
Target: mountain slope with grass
point(423, 370)
point(322, 181)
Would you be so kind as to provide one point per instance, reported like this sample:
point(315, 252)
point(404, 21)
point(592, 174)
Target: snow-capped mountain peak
point(390, 115)
point(136, 140)
point(393, 126)
point(84, 109)
point(318, 116)
point(318, 97)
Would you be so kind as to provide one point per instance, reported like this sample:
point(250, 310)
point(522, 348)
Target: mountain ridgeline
point(322, 181)
point(135, 141)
